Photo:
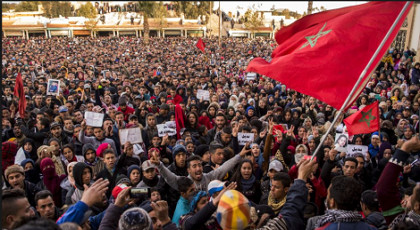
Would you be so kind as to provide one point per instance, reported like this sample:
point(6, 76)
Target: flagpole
point(360, 78)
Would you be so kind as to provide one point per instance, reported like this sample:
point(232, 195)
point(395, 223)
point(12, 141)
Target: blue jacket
point(74, 214)
point(182, 208)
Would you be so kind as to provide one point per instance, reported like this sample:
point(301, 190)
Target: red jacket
point(127, 112)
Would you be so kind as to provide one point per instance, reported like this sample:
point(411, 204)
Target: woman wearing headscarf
point(233, 100)
point(27, 151)
point(51, 181)
point(32, 174)
point(82, 176)
point(68, 183)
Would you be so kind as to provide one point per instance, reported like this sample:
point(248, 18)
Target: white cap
point(215, 186)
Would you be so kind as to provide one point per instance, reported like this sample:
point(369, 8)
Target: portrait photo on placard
point(53, 87)
point(341, 142)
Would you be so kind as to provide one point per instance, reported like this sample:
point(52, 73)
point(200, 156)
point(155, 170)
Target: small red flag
point(363, 121)
point(323, 54)
point(19, 92)
point(200, 44)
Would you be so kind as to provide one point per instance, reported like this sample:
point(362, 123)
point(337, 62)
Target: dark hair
point(33, 223)
point(370, 199)
point(184, 183)
point(237, 176)
point(108, 151)
point(350, 159)
point(346, 192)
point(70, 146)
point(227, 130)
point(42, 195)
point(201, 129)
point(45, 122)
point(9, 198)
point(284, 178)
point(192, 158)
point(214, 146)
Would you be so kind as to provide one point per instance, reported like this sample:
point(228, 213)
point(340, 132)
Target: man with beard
point(220, 123)
point(15, 207)
point(57, 132)
point(17, 131)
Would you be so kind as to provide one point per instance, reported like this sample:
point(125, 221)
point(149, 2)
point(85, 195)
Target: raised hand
point(245, 150)
point(94, 194)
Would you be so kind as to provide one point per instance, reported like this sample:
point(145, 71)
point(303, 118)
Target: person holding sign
point(98, 138)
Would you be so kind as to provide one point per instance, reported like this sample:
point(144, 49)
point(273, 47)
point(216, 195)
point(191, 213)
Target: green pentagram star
point(369, 118)
point(314, 38)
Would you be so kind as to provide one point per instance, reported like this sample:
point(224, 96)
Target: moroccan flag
point(200, 44)
point(18, 92)
point(323, 54)
point(363, 121)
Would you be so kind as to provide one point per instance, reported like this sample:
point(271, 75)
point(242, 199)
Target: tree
point(87, 10)
point(55, 9)
point(5, 7)
point(193, 9)
point(253, 21)
point(147, 9)
point(25, 6)
point(91, 25)
point(160, 14)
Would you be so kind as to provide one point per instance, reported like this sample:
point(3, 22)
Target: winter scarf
point(151, 183)
point(247, 184)
point(275, 204)
point(334, 215)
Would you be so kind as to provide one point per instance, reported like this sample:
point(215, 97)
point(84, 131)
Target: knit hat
point(131, 168)
point(99, 151)
point(14, 169)
point(134, 219)
point(215, 186)
point(197, 198)
point(122, 179)
point(117, 189)
point(24, 162)
point(178, 149)
point(201, 149)
point(233, 211)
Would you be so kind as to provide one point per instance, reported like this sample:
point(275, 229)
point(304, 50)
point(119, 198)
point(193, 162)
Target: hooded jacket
point(78, 181)
point(98, 165)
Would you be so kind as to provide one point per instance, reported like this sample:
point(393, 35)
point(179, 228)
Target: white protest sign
point(203, 94)
point(137, 149)
point(354, 149)
point(167, 128)
point(94, 119)
point(243, 138)
point(133, 135)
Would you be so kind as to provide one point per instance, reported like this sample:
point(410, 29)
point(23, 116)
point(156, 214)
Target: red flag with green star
point(363, 121)
point(322, 55)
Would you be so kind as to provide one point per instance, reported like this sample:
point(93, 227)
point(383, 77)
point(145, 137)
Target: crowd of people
point(58, 172)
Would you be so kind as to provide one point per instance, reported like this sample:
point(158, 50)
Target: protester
point(187, 174)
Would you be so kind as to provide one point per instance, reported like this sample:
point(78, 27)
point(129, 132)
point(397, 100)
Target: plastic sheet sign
point(203, 94)
point(352, 150)
point(133, 135)
point(167, 128)
point(243, 138)
point(94, 119)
